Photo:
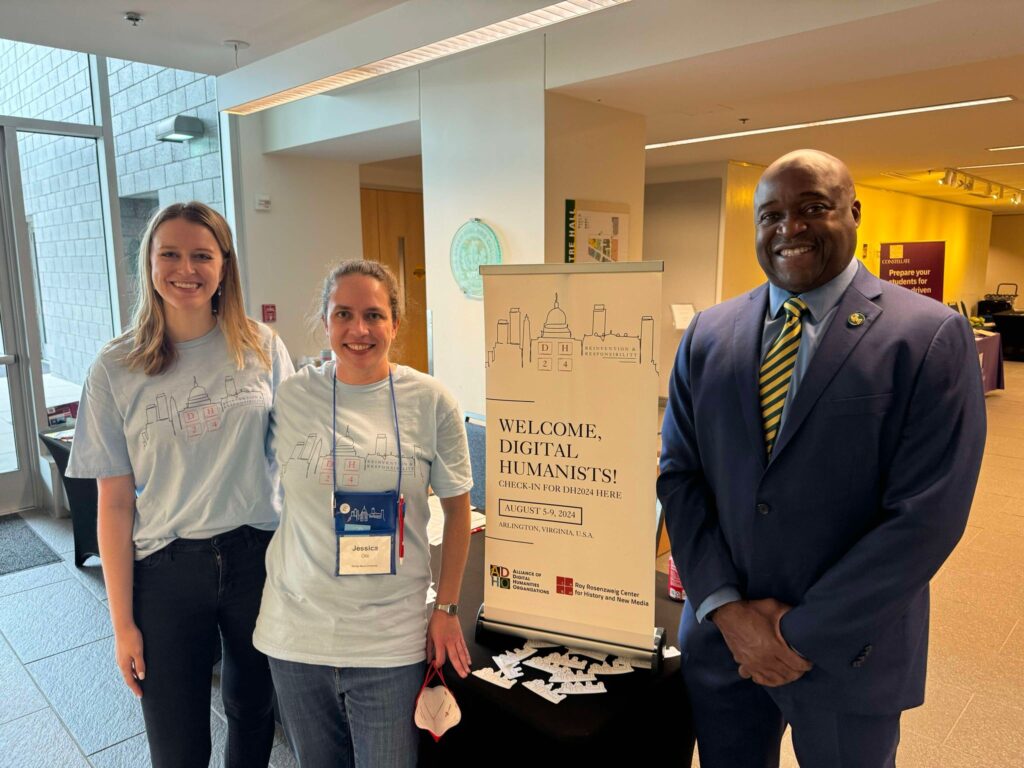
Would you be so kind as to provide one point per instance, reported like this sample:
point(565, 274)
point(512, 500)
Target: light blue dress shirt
point(822, 303)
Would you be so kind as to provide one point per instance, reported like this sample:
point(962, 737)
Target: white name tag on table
point(364, 555)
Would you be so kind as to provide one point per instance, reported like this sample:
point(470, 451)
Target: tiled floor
point(62, 702)
point(973, 716)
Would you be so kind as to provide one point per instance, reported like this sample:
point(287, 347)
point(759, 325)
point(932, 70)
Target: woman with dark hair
point(172, 424)
point(345, 620)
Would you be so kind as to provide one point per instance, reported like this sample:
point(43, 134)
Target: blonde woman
point(172, 424)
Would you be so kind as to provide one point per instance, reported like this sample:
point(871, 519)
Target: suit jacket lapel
point(746, 348)
point(835, 346)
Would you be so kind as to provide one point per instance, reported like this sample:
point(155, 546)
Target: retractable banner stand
point(572, 424)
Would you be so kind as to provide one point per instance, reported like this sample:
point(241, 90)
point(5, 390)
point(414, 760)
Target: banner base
point(487, 629)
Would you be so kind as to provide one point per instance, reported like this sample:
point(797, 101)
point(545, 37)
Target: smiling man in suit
point(821, 446)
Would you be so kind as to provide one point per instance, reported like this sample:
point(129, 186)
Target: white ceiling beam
point(396, 30)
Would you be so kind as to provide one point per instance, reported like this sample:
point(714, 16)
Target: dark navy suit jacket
point(866, 494)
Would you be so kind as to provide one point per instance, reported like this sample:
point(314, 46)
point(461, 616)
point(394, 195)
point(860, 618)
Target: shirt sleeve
point(99, 448)
point(450, 472)
point(717, 599)
point(280, 362)
point(281, 369)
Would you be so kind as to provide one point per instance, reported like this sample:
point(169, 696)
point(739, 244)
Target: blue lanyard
point(334, 430)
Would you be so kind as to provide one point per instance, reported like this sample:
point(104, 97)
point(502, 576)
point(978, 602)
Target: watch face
point(474, 244)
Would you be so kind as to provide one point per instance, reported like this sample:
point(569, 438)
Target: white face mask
point(436, 708)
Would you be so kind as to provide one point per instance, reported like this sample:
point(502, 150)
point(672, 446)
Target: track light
point(955, 178)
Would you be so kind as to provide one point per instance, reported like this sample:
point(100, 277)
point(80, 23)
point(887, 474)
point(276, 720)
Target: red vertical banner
point(918, 267)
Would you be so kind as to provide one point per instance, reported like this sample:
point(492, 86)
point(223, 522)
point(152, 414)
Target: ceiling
point(185, 34)
point(939, 52)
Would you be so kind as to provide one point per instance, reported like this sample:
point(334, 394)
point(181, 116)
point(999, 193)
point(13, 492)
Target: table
point(82, 497)
point(517, 727)
point(1011, 327)
point(990, 356)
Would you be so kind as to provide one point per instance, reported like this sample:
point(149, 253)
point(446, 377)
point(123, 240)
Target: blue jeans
point(191, 598)
point(349, 717)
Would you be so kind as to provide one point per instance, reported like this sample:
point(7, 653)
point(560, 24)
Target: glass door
point(65, 239)
point(58, 303)
point(16, 477)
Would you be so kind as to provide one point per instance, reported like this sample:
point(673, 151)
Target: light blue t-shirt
point(193, 437)
point(309, 614)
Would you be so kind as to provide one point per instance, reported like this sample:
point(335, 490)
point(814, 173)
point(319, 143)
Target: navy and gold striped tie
point(777, 370)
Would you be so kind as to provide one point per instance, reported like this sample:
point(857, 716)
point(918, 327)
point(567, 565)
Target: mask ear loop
point(431, 671)
point(440, 676)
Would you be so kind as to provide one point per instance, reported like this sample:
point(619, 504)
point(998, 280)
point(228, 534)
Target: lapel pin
point(855, 319)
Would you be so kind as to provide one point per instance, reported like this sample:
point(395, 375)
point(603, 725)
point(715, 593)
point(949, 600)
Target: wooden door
point(393, 235)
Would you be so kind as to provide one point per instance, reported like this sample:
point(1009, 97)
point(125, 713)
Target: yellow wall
point(1006, 252)
point(893, 217)
point(888, 217)
point(740, 271)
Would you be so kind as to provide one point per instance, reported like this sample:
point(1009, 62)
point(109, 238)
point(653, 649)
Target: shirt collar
point(820, 300)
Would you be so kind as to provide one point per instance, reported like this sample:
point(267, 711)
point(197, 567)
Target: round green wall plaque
point(474, 244)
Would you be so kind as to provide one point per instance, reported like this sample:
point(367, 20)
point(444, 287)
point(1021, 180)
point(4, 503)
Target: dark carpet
point(20, 547)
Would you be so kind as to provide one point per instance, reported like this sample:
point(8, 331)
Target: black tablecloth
point(1010, 326)
point(641, 711)
point(82, 500)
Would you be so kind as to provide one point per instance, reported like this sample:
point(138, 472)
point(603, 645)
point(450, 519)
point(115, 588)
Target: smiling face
point(361, 327)
point(806, 220)
point(187, 267)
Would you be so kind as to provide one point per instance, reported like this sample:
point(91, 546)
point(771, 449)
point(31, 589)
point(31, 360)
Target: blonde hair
point(152, 351)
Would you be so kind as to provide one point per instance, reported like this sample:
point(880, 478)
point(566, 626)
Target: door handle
point(8, 359)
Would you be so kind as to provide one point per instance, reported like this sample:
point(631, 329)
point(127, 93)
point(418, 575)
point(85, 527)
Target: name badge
point(368, 528)
point(364, 555)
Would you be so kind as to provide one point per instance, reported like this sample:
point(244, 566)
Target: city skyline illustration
point(312, 457)
point(558, 348)
point(201, 414)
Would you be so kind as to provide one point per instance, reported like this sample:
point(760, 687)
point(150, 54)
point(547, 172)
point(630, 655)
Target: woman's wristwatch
point(450, 608)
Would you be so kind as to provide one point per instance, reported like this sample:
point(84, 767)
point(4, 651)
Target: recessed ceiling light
point(1004, 149)
point(500, 30)
point(833, 121)
point(991, 165)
